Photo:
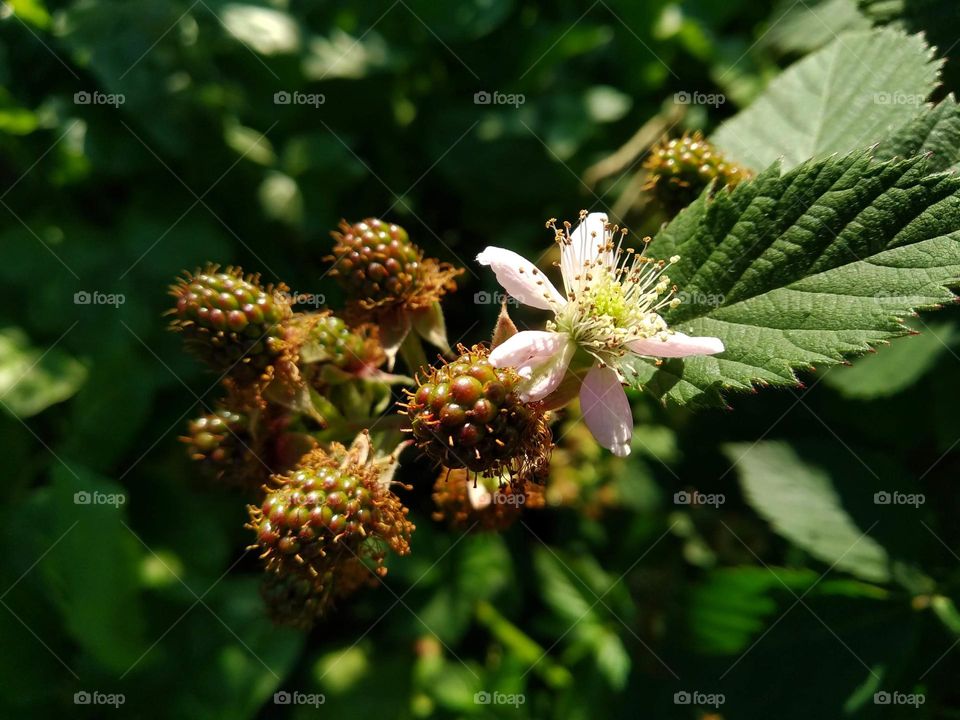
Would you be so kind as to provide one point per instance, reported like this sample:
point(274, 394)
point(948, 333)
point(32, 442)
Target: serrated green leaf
point(798, 499)
point(935, 133)
point(30, 379)
point(895, 368)
point(848, 95)
point(809, 268)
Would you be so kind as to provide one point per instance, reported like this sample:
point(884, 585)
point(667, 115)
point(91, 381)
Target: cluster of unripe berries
point(681, 168)
point(324, 522)
point(328, 515)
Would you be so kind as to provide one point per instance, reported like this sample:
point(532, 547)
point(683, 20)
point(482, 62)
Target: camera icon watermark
point(493, 298)
point(95, 697)
point(896, 497)
point(899, 98)
point(84, 97)
point(85, 297)
point(685, 97)
point(84, 497)
point(283, 697)
point(283, 97)
point(695, 697)
point(496, 97)
point(485, 697)
point(684, 497)
point(713, 300)
point(898, 698)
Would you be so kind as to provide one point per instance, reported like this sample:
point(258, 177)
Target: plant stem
point(411, 350)
point(525, 647)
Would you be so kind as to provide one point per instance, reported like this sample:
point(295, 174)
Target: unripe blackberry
point(298, 599)
point(680, 169)
point(375, 262)
point(217, 439)
point(230, 321)
point(326, 511)
point(468, 414)
point(326, 338)
point(481, 502)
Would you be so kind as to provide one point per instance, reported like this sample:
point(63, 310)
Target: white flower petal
point(545, 376)
point(586, 240)
point(677, 345)
point(526, 347)
point(581, 255)
point(521, 278)
point(606, 410)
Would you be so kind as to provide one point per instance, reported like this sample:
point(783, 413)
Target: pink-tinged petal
point(526, 347)
point(521, 278)
point(677, 345)
point(606, 410)
point(543, 377)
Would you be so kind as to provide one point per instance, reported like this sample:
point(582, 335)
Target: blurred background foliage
point(792, 598)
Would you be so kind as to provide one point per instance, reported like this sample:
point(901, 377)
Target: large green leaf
point(848, 95)
point(805, 269)
point(800, 502)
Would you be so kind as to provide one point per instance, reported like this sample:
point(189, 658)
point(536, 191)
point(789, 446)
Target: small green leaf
point(430, 325)
point(31, 11)
point(845, 96)
point(733, 604)
point(94, 571)
point(31, 379)
point(562, 593)
point(799, 500)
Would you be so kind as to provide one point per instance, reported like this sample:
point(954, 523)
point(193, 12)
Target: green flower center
point(607, 298)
